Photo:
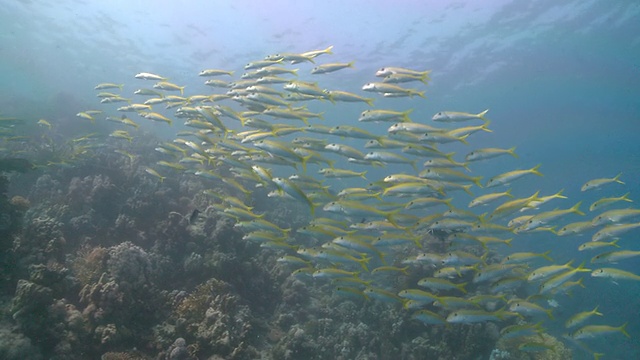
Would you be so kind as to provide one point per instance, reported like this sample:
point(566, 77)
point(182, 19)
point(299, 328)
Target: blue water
point(561, 80)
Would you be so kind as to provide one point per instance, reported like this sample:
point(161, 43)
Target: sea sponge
point(20, 203)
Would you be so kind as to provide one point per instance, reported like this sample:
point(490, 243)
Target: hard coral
point(216, 320)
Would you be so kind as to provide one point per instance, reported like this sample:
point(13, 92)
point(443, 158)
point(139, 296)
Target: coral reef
point(342, 329)
point(111, 264)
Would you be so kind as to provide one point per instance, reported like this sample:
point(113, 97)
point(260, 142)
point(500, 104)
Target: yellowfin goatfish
point(489, 153)
point(353, 132)
point(294, 58)
point(84, 115)
point(615, 274)
point(388, 157)
point(303, 88)
point(327, 68)
point(148, 92)
point(390, 70)
point(615, 216)
point(391, 89)
point(157, 117)
point(428, 317)
point(121, 134)
point(525, 256)
point(581, 317)
point(403, 78)
point(315, 53)
point(536, 347)
point(465, 316)
point(441, 284)
point(341, 173)
point(613, 231)
point(445, 163)
point(151, 171)
point(163, 85)
point(385, 115)
point(576, 228)
point(590, 245)
point(453, 116)
point(518, 330)
point(560, 279)
point(293, 190)
point(215, 72)
point(528, 308)
point(43, 122)
point(548, 216)
point(272, 70)
point(125, 153)
point(261, 63)
point(486, 199)
point(596, 183)
point(382, 295)
point(607, 201)
point(548, 271)
point(355, 208)
point(416, 128)
point(134, 108)
point(596, 331)
point(344, 150)
point(347, 97)
point(508, 177)
point(442, 137)
point(614, 256)
point(103, 86)
point(149, 76)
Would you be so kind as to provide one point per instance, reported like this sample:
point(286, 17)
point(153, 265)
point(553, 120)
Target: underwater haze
point(165, 197)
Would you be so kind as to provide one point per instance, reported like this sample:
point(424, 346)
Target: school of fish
point(397, 239)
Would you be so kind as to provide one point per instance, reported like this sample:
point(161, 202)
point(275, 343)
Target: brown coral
point(89, 264)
